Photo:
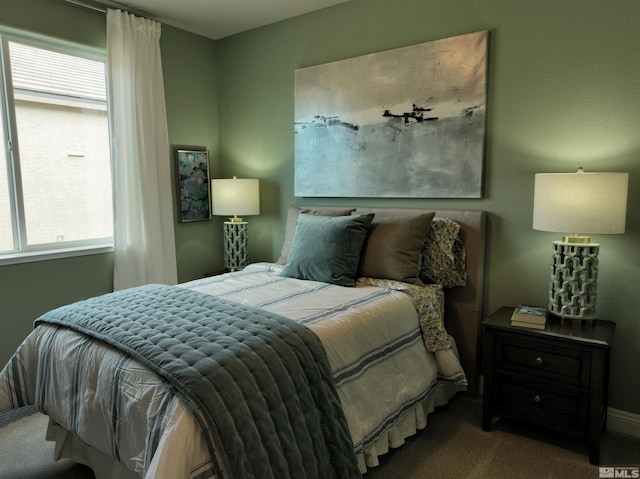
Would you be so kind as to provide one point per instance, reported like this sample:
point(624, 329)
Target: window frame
point(24, 253)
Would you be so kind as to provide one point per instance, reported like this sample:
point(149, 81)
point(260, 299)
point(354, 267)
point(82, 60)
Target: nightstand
point(557, 377)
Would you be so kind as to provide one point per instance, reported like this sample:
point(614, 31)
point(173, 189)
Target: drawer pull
point(537, 399)
point(539, 361)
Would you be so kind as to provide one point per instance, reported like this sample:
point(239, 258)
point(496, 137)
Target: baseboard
point(623, 422)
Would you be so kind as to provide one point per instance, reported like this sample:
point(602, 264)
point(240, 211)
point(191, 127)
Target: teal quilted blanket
point(260, 384)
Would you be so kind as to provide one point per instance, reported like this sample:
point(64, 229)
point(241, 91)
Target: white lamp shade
point(583, 203)
point(240, 197)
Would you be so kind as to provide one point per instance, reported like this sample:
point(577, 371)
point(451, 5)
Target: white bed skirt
point(408, 426)
point(104, 467)
point(71, 446)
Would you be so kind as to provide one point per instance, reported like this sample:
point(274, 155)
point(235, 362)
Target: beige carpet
point(452, 446)
point(25, 454)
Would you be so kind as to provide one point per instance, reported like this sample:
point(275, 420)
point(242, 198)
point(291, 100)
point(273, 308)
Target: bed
point(378, 348)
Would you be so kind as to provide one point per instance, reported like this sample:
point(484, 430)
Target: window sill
point(33, 256)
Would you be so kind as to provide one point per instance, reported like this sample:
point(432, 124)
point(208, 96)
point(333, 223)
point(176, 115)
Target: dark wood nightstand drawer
point(543, 404)
point(537, 358)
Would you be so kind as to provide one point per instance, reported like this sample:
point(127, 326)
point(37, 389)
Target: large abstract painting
point(408, 122)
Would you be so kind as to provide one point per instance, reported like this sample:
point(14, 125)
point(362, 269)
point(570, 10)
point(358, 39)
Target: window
point(55, 166)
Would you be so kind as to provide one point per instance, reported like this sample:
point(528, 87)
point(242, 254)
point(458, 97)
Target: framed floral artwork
point(192, 165)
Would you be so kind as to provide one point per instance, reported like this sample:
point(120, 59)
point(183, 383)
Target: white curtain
point(143, 225)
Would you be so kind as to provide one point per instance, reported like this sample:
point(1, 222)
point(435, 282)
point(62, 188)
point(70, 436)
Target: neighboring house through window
point(55, 164)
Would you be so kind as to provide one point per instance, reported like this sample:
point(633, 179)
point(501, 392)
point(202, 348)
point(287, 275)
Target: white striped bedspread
point(371, 334)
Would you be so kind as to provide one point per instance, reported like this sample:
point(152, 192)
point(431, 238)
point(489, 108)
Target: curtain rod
point(103, 9)
point(88, 6)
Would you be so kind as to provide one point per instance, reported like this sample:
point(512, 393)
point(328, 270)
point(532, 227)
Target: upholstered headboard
point(463, 309)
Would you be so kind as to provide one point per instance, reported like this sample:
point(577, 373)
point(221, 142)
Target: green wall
point(563, 92)
point(189, 61)
point(191, 91)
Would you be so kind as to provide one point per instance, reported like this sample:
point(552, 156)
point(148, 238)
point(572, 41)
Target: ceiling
point(219, 18)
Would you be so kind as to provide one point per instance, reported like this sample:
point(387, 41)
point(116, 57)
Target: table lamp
point(578, 203)
point(235, 198)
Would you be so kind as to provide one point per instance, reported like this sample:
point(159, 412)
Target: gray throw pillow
point(393, 249)
point(327, 248)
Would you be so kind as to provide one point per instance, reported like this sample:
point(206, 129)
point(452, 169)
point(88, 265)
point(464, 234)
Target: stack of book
point(528, 316)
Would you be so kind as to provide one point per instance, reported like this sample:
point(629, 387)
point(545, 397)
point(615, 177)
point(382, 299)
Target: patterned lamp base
point(572, 288)
point(235, 245)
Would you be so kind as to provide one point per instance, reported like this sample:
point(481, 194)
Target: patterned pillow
point(444, 259)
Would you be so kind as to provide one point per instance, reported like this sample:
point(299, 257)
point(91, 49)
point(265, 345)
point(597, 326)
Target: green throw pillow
point(292, 221)
point(327, 248)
